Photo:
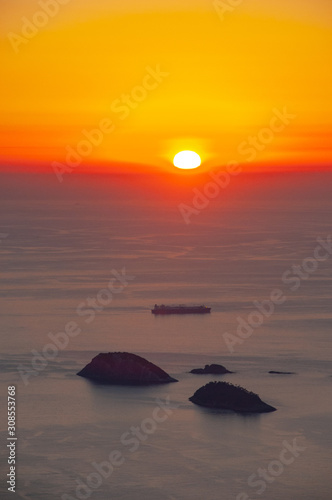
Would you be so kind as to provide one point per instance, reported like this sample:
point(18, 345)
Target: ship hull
point(181, 310)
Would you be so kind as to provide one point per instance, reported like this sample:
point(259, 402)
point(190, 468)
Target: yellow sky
point(169, 76)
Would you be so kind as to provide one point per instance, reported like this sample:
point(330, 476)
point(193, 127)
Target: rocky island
point(124, 368)
point(213, 369)
point(226, 396)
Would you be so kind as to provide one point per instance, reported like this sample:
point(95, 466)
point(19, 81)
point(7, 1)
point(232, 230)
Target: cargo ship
point(180, 309)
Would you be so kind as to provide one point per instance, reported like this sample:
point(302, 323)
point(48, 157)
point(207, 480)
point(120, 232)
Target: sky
point(123, 86)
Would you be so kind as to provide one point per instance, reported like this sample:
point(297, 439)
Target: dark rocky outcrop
point(124, 368)
point(281, 373)
point(211, 369)
point(227, 396)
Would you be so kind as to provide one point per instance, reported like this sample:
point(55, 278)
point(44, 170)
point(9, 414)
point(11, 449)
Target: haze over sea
point(59, 247)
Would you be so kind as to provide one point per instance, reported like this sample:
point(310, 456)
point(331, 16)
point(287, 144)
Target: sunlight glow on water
point(56, 258)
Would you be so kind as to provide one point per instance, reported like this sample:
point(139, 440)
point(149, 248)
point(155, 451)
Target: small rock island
point(213, 369)
point(124, 368)
point(226, 396)
point(273, 372)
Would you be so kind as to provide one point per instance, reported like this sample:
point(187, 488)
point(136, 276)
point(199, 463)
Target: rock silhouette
point(124, 368)
point(227, 396)
point(213, 369)
point(281, 373)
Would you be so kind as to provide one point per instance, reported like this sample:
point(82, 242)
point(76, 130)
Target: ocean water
point(60, 248)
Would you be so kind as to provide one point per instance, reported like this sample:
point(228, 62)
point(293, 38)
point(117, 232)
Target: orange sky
point(156, 77)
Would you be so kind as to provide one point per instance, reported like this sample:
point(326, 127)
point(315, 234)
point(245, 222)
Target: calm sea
point(60, 247)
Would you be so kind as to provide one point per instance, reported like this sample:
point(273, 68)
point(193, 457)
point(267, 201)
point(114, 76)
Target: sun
point(187, 160)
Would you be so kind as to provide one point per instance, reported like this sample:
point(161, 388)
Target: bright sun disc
point(187, 160)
